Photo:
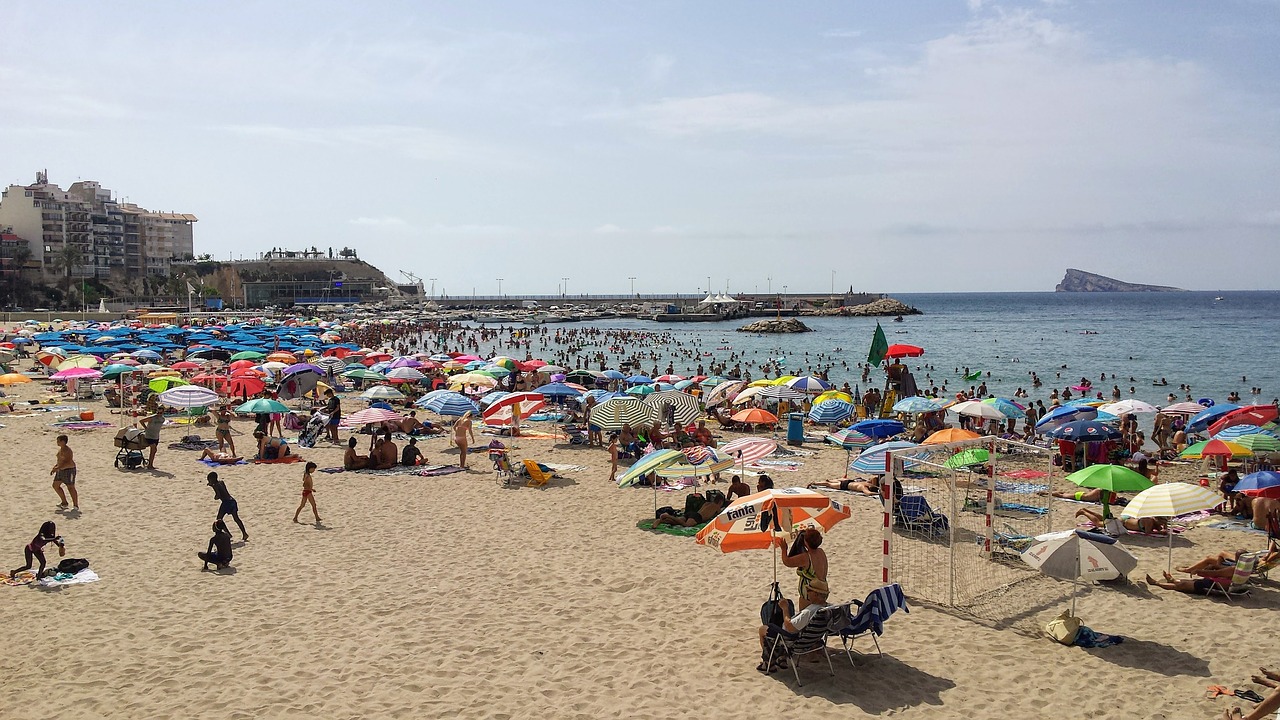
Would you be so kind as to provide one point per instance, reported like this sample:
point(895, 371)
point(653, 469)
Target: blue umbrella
point(1006, 406)
point(451, 403)
point(1236, 431)
point(1259, 481)
point(1084, 431)
point(640, 379)
point(1067, 413)
point(830, 411)
point(614, 375)
point(1203, 419)
point(871, 460)
point(558, 390)
point(879, 428)
point(917, 404)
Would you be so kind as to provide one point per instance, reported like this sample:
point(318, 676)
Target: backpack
point(71, 566)
point(692, 504)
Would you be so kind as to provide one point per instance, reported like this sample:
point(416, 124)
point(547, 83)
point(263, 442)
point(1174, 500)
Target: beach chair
point(913, 514)
point(537, 478)
point(872, 613)
point(812, 638)
point(1009, 541)
point(1239, 578)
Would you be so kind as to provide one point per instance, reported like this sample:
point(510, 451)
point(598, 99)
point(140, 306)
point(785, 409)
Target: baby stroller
point(131, 442)
point(576, 435)
point(311, 432)
point(501, 462)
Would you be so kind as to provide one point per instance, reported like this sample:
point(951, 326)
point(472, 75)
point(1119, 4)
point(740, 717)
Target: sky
point(887, 147)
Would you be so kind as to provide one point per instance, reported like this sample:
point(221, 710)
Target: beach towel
point(1087, 637)
point(25, 577)
point(1019, 507)
point(285, 459)
point(59, 580)
point(81, 425)
point(679, 484)
point(784, 467)
point(1173, 530)
point(647, 524)
point(212, 464)
point(566, 468)
point(1015, 488)
point(58, 408)
point(779, 463)
point(436, 470)
point(192, 444)
point(333, 470)
point(1024, 474)
point(1237, 525)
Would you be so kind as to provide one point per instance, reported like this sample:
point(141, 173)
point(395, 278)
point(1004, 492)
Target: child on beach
point(308, 493)
point(219, 552)
point(64, 473)
point(227, 504)
point(35, 549)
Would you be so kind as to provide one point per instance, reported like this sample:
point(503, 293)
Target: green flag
point(879, 346)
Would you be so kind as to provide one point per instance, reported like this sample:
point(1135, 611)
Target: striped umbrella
point(189, 396)
point(450, 403)
point(917, 404)
point(749, 449)
point(1182, 408)
point(1060, 416)
point(649, 463)
point(975, 408)
point(382, 392)
point(1215, 448)
point(809, 384)
point(613, 413)
point(698, 461)
point(781, 392)
point(685, 406)
point(1239, 431)
point(370, 415)
point(1128, 407)
point(722, 391)
point(1009, 408)
point(502, 412)
point(871, 460)
point(1259, 442)
point(850, 439)
point(715, 381)
point(1251, 415)
point(405, 373)
point(1171, 500)
point(830, 411)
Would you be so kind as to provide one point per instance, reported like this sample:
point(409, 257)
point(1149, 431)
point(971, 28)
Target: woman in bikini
point(861, 486)
point(462, 430)
point(308, 493)
point(810, 561)
point(222, 429)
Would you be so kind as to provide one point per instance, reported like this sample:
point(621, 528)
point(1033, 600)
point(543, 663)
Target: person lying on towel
point(222, 458)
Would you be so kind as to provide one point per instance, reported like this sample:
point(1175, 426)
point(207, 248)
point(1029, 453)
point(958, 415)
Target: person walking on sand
point(462, 430)
point(613, 458)
point(64, 473)
point(151, 425)
point(308, 493)
point(228, 504)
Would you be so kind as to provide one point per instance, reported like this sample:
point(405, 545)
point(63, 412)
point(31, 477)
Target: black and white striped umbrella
point(780, 392)
point(686, 406)
point(613, 413)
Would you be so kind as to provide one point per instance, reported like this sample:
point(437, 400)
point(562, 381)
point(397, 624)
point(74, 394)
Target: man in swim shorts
point(64, 473)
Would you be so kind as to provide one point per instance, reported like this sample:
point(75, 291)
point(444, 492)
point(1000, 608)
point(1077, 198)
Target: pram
point(131, 442)
point(311, 432)
point(501, 462)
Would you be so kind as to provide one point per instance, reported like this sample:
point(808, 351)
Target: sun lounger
point(1239, 578)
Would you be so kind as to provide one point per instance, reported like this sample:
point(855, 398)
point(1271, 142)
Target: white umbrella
point(188, 396)
point(974, 408)
point(382, 392)
point(405, 373)
point(1075, 554)
point(1170, 500)
point(1128, 407)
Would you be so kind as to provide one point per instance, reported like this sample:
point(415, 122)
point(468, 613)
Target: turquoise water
point(1186, 338)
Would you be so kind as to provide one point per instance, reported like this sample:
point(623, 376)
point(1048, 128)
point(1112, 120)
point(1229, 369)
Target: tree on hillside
point(68, 258)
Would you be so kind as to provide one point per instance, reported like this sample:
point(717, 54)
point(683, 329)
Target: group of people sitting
point(383, 454)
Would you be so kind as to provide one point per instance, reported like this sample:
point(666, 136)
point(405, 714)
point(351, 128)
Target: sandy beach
point(455, 596)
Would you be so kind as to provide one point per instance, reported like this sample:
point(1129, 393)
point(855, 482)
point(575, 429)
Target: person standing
point(223, 429)
point(64, 473)
point(462, 430)
point(151, 425)
point(228, 504)
point(308, 493)
point(333, 408)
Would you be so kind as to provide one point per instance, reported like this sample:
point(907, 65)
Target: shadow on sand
point(875, 684)
point(1153, 656)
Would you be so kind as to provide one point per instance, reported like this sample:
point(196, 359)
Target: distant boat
point(1217, 298)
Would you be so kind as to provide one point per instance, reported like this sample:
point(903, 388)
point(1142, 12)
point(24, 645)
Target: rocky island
point(776, 325)
point(1081, 281)
point(876, 308)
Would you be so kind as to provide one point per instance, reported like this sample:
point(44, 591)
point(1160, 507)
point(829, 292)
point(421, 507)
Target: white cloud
point(607, 229)
point(657, 68)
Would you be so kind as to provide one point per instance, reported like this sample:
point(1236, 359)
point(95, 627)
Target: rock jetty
point(1081, 281)
point(776, 325)
point(875, 308)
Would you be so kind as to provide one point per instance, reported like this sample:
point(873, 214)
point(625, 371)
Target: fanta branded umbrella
point(753, 522)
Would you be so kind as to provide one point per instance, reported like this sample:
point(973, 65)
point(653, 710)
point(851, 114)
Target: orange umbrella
point(950, 435)
point(755, 416)
point(13, 379)
point(752, 522)
point(282, 356)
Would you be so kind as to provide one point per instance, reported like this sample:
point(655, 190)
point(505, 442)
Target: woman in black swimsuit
point(861, 486)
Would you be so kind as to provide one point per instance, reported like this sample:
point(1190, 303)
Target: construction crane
point(415, 280)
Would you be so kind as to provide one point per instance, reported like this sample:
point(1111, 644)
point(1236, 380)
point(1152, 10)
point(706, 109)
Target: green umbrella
point(248, 355)
point(493, 372)
point(640, 390)
point(653, 461)
point(965, 458)
point(161, 384)
point(364, 373)
point(1116, 478)
point(262, 405)
point(1259, 442)
point(113, 371)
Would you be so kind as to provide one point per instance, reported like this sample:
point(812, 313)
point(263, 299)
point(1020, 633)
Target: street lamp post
point(833, 282)
point(499, 288)
point(633, 286)
point(433, 287)
point(565, 287)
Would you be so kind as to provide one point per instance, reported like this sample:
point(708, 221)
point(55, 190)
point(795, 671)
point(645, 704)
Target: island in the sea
point(1081, 281)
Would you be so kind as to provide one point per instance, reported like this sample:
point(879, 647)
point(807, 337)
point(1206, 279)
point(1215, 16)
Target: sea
point(1213, 342)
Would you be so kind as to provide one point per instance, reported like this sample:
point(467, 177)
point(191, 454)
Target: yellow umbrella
point(161, 384)
point(833, 395)
point(746, 395)
point(783, 380)
point(762, 382)
point(473, 379)
point(14, 379)
point(78, 361)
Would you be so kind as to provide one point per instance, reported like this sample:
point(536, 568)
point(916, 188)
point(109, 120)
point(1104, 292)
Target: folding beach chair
point(872, 612)
point(1239, 578)
point(537, 478)
point(914, 515)
point(812, 638)
point(1009, 540)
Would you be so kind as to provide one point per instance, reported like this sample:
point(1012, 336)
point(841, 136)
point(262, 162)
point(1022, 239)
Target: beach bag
point(693, 503)
point(667, 510)
point(71, 566)
point(1064, 628)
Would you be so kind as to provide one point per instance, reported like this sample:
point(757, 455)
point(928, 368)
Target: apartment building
point(113, 238)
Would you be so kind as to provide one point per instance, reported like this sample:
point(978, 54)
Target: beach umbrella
point(917, 404)
point(1265, 483)
point(1239, 431)
point(1007, 407)
point(640, 390)
point(1183, 408)
point(834, 395)
point(78, 361)
point(698, 461)
point(879, 428)
point(1084, 431)
point(76, 373)
point(1251, 415)
point(502, 412)
point(615, 412)
point(406, 374)
point(1204, 418)
point(488, 399)
point(15, 379)
point(1128, 407)
point(1215, 448)
point(715, 381)
point(161, 384)
point(746, 394)
point(752, 522)
point(297, 383)
point(382, 392)
point(639, 380)
point(248, 355)
point(1063, 415)
point(330, 363)
point(949, 435)
point(871, 460)
point(809, 384)
point(590, 376)
point(145, 354)
point(672, 379)
point(185, 365)
point(450, 404)
point(978, 409)
point(1115, 478)
point(189, 396)
point(901, 351)
point(968, 458)
point(557, 390)
point(755, 416)
point(830, 411)
point(850, 439)
point(647, 464)
point(684, 406)
point(262, 405)
point(503, 362)
point(245, 385)
point(781, 392)
point(369, 416)
point(281, 356)
point(614, 375)
point(1259, 443)
point(1170, 500)
point(363, 373)
point(1075, 554)
point(748, 450)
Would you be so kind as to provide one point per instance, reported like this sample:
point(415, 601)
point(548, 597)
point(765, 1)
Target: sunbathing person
point(708, 510)
point(351, 460)
point(222, 458)
point(1223, 565)
point(1092, 495)
point(1263, 710)
point(1266, 513)
point(270, 448)
point(792, 622)
point(1149, 526)
point(862, 486)
point(1198, 586)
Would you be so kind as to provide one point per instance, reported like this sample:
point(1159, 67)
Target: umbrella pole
point(847, 454)
point(1168, 531)
point(1075, 582)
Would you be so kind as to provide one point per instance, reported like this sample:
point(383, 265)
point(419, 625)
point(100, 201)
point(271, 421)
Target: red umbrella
point(901, 351)
point(244, 385)
point(242, 364)
point(1249, 415)
point(185, 365)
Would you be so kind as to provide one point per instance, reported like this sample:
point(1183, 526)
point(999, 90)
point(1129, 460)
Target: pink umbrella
point(749, 449)
point(76, 374)
point(371, 415)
